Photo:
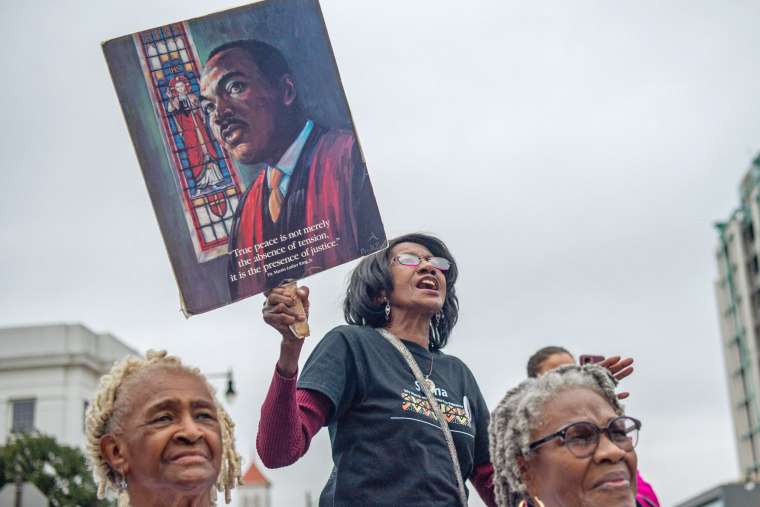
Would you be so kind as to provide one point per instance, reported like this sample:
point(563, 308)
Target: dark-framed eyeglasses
point(582, 437)
point(408, 259)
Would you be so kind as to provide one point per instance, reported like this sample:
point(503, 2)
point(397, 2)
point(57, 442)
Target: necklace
point(427, 377)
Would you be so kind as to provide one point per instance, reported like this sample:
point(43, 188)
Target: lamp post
point(18, 480)
point(230, 393)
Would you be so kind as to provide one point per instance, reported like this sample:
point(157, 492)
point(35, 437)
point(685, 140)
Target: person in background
point(387, 445)
point(563, 439)
point(549, 358)
point(157, 436)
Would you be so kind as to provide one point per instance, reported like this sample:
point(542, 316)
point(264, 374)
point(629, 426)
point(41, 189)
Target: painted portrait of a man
point(314, 181)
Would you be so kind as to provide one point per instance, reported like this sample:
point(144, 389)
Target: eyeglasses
point(582, 437)
point(408, 259)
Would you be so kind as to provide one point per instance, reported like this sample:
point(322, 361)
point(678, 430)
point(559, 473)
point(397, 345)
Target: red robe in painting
point(191, 125)
point(329, 184)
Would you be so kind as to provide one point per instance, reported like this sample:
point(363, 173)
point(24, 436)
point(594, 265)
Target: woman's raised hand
point(279, 312)
point(279, 309)
point(619, 368)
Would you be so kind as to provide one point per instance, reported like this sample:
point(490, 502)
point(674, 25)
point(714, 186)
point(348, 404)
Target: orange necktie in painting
point(275, 197)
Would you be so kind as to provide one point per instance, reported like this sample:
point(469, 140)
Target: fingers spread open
point(623, 373)
point(614, 364)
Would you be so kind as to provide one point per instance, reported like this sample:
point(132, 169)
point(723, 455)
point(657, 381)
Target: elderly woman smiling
point(563, 439)
point(387, 445)
point(158, 437)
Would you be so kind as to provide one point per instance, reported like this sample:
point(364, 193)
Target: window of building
point(23, 416)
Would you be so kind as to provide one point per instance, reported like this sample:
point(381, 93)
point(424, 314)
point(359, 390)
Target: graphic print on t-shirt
point(452, 412)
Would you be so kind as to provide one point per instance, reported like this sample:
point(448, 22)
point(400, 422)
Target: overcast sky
point(573, 155)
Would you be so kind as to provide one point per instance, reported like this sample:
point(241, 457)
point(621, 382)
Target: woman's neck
point(178, 499)
point(410, 327)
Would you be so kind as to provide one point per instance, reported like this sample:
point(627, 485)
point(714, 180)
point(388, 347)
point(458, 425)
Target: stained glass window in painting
point(207, 180)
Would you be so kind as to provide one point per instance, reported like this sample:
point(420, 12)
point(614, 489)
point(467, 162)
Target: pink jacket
point(646, 494)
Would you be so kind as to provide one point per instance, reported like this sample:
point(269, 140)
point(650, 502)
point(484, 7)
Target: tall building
point(48, 374)
point(738, 295)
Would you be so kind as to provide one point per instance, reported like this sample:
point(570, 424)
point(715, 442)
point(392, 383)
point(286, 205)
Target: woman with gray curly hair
point(157, 436)
point(546, 444)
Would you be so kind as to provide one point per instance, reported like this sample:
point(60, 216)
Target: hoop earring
point(387, 311)
point(527, 502)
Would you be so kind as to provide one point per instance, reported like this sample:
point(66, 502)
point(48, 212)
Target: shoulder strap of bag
point(433, 404)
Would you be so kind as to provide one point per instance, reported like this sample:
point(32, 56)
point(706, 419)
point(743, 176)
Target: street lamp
point(230, 393)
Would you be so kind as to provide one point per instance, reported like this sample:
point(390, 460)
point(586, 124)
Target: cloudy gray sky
point(573, 155)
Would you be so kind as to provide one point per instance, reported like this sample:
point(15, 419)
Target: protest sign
point(246, 144)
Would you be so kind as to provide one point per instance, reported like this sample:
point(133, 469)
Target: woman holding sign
point(408, 423)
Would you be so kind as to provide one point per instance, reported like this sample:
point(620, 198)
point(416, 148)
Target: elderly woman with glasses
point(549, 358)
point(563, 439)
point(387, 445)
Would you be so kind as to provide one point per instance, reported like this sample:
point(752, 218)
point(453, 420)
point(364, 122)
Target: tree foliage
point(59, 471)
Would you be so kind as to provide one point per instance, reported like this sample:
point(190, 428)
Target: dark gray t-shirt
point(388, 448)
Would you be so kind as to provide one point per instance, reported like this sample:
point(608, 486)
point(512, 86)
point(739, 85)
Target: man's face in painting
point(245, 111)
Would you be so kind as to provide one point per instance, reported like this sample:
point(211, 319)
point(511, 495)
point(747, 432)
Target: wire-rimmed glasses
point(409, 259)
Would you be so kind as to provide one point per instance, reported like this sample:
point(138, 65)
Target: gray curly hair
point(519, 412)
point(111, 404)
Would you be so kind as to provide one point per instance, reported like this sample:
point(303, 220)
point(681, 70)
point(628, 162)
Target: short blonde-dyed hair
point(111, 404)
point(520, 412)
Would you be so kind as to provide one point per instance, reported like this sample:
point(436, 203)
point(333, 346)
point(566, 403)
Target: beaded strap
point(433, 403)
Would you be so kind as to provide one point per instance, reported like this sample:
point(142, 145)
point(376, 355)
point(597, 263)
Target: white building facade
point(48, 375)
point(738, 295)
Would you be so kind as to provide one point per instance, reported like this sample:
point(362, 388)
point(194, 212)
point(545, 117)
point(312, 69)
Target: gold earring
point(524, 502)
